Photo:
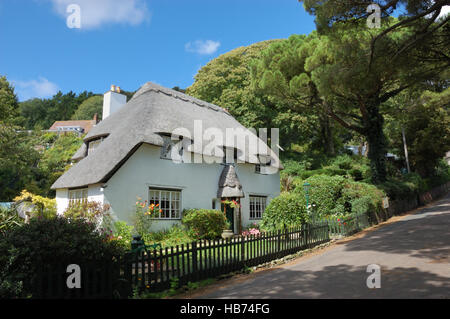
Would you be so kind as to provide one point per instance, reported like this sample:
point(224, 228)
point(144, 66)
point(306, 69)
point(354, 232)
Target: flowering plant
point(232, 203)
point(253, 229)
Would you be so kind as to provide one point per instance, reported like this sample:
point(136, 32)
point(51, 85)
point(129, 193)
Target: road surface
point(413, 254)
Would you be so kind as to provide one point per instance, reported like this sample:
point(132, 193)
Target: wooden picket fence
point(156, 269)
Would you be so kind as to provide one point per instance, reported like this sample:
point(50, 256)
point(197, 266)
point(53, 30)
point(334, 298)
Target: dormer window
point(94, 145)
point(170, 145)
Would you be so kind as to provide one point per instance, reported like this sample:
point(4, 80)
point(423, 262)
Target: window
point(78, 195)
point(257, 206)
point(169, 202)
point(169, 145)
point(94, 144)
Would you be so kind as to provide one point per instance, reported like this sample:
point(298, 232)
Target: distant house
point(80, 127)
point(447, 157)
point(131, 153)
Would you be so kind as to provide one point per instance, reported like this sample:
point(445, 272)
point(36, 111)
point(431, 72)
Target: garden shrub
point(49, 241)
point(286, 210)
point(176, 235)
point(89, 211)
point(324, 193)
point(43, 207)
point(123, 234)
point(9, 219)
point(143, 216)
point(204, 223)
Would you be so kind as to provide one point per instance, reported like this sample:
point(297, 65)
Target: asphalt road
point(413, 254)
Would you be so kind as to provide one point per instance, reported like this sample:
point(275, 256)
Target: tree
point(56, 158)
point(226, 82)
point(280, 74)
point(18, 161)
point(90, 107)
point(8, 101)
point(425, 117)
point(366, 67)
point(42, 113)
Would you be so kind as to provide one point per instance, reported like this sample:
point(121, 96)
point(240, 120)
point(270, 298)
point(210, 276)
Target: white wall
point(198, 184)
point(95, 194)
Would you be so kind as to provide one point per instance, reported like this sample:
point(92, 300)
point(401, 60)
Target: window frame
point(84, 195)
point(262, 204)
point(178, 214)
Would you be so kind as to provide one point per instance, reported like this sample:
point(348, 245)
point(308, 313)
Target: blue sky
point(130, 42)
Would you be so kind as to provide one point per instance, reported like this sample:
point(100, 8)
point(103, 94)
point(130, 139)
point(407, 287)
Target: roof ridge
point(178, 95)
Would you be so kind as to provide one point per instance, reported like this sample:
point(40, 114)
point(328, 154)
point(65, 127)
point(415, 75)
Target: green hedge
point(204, 223)
point(286, 210)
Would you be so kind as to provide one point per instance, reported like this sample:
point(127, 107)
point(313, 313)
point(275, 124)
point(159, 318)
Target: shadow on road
point(425, 234)
point(340, 281)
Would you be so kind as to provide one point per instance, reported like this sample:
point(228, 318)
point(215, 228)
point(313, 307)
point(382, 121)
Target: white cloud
point(202, 47)
point(41, 88)
point(95, 13)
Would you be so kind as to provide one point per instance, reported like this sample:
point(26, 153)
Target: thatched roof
point(229, 184)
point(153, 110)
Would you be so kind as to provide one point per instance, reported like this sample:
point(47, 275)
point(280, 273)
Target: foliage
point(9, 219)
point(18, 161)
point(123, 234)
point(42, 113)
point(204, 223)
point(50, 241)
point(176, 235)
point(143, 216)
point(42, 206)
point(286, 210)
point(338, 195)
point(92, 212)
point(425, 118)
point(56, 158)
point(89, 107)
point(8, 101)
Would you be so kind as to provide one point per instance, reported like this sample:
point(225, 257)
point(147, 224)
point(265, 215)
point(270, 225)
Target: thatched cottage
point(129, 154)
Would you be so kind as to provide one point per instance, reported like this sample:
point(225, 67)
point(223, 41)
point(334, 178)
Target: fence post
point(194, 260)
point(306, 230)
point(279, 242)
point(243, 250)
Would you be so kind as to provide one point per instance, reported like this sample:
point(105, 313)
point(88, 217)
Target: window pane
point(169, 203)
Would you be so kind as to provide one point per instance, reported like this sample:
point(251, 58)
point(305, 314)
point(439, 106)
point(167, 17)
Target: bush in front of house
point(176, 235)
point(45, 242)
point(123, 234)
point(286, 210)
point(9, 219)
point(42, 206)
point(204, 223)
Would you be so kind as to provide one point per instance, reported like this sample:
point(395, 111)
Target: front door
point(229, 213)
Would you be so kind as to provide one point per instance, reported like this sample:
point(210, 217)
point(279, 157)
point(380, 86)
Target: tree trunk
point(327, 135)
point(377, 144)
